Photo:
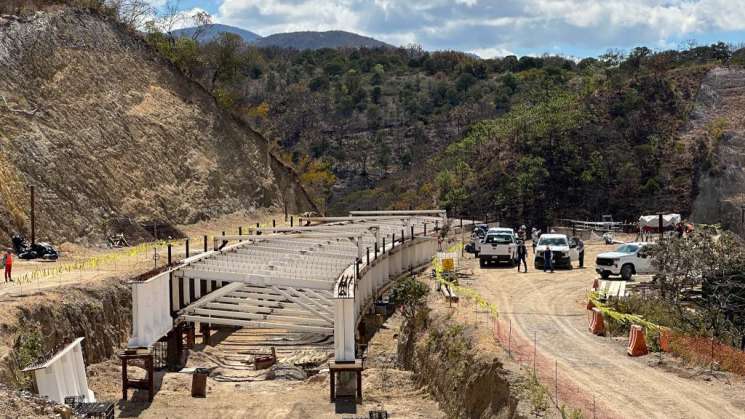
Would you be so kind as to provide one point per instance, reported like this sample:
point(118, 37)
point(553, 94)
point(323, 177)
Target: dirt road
point(550, 308)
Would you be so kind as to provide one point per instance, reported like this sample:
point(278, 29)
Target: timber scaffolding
point(318, 278)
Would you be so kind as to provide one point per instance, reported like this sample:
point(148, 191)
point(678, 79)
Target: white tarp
point(653, 221)
point(151, 316)
point(63, 375)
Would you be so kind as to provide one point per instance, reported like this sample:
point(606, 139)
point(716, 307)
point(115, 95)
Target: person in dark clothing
point(581, 251)
point(548, 262)
point(522, 255)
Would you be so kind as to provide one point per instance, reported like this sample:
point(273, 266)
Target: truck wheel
point(482, 262)
point(626, 272)
point(605, 274)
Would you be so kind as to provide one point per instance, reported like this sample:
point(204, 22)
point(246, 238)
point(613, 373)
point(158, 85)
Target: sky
point(489, 28)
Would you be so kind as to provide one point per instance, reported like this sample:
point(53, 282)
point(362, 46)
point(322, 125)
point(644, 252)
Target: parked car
point(563, 251)
point(627, 260)
point(498, 246)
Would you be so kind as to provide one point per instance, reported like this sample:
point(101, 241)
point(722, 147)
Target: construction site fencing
point(559, 389)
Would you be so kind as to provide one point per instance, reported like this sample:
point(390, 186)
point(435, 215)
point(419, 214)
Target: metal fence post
point(187, 247)
point(205, 243)
point(170, 260)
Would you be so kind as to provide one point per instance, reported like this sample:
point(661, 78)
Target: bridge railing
point(363, 281)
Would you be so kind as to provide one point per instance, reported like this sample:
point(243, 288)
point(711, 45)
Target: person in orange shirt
point(8, 263)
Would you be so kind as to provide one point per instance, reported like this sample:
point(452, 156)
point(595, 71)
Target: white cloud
point(491, 52)
point(495, 27)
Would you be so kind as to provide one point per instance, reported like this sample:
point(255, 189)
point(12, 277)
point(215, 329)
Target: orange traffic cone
point(637, 342)
point(597, 326)
point(595, 284)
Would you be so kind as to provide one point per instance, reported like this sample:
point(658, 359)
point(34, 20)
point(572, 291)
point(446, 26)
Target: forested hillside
point(537, 137)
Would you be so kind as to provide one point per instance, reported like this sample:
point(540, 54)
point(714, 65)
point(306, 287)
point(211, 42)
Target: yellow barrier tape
point(469, 293)
point(624, 318)
point(92, 262)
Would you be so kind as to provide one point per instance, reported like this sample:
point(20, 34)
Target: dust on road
point(550, 308)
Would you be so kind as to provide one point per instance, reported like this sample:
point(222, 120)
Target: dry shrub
point(697, 350)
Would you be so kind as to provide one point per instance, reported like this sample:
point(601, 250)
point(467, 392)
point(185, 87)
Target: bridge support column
point(344, 329)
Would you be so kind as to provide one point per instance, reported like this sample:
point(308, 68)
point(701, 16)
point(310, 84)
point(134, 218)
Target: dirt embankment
point(108, 132)
point(466, 383)
point(44, 322)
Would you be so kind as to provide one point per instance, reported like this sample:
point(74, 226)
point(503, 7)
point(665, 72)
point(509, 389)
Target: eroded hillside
point(717, 124)
point(107, 130)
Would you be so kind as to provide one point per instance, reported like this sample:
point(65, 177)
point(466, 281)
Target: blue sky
point(490, 28)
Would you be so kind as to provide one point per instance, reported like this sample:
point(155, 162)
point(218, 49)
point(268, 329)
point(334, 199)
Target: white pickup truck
point(563, 252)
point(628, 259)
point(498, 246)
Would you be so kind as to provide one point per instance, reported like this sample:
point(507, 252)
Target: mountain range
point(297, 40)
point(216, 29)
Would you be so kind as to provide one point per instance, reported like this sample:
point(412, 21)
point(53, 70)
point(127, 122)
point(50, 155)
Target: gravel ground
point(549, 309)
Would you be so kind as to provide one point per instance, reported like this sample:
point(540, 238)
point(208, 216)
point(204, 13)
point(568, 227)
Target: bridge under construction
point(320, 277)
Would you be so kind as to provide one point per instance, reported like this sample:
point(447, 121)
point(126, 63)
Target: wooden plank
point(258, 324)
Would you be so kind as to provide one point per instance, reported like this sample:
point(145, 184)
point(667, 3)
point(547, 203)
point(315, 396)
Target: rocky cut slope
point(108, 131)
point(718, 126)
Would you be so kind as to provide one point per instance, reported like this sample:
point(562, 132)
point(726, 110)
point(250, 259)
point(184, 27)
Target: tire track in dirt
point(552, 305)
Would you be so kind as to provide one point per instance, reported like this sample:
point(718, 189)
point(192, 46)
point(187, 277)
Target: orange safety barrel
point(597, 326)
point(637, 342)
point(590, 304)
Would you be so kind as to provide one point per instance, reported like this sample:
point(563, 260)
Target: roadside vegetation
point(698, 295)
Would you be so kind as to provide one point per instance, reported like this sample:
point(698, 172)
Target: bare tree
point(171, 17)
point(133, 13)
point(702, 278)
point(202, 23)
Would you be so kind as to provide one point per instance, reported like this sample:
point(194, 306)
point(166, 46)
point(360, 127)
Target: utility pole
point(660, 227)
point(33, 217)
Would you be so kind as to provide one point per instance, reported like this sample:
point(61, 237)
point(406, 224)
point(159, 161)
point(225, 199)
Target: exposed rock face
point(720, 106)
point(106, 129)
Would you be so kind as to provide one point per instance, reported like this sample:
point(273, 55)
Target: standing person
point(581, 251)
point(522, 255)
point(8, 262)
point(534, 235)
point(548, 262)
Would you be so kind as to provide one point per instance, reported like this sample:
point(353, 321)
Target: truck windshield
point(552, 241)
point(498, 239)
point(627, 248)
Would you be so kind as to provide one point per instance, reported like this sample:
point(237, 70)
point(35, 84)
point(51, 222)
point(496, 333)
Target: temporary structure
point(652, 222)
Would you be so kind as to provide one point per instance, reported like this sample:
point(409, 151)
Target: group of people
point(7, 265)
point(548, 265)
